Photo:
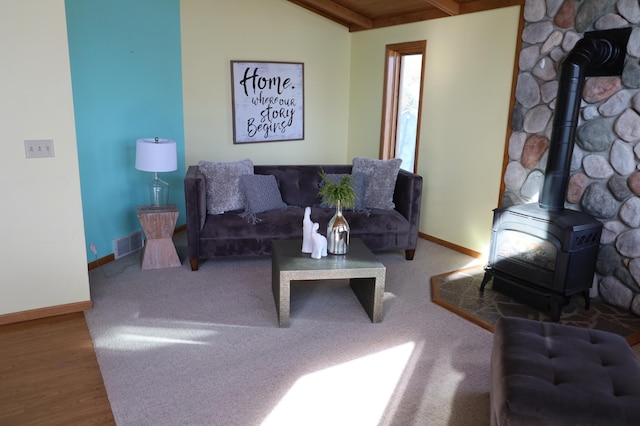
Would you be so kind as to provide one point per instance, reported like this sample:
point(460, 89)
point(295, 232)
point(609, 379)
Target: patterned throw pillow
point(380, 181)
point(223, 184)
point(262, 193)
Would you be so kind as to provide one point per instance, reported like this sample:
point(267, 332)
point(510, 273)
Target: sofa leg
point(408, 254)
point(194, 264)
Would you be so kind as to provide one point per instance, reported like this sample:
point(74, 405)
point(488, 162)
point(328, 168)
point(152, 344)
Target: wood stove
point(542, 253)
point(543, 257)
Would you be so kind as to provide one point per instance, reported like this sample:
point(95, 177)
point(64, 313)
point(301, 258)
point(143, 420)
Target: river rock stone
point(570, 40)
point(514, 175)
point(527, 90)
point(534, 10)
point(557, 54)
point(628, 243)
point(590, 10)
point(630, 212)
point(615, 104)
point(529, 57)
point(576, 158)
point(622, 158)
point(636, 151)
point(545, 69)
point(575, 188)
point(554, 40)
point(590, 112)
point(530, 189)
point(630, 10)
point(633, 45)
point(596, 166)
point(608, 260)
point(610, 21)
point(618, 186)
point(516, 145)
point(634, 269)
point(631, 75)
point(596, 135)
point(553, 6)
point(635, 102)
point(537, 32)
point(610, 231)
point(627, 126)
point(600, 88)
point(566, 15)
point(598, 202)
point(634, 183)
point(615, 293)
point(533, 149)
point(517, 118)
point(537, 119)
point(549, 90)
point(624, 276)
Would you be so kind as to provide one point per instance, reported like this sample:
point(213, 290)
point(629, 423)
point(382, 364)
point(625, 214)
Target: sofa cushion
point(287, 223)
point(262, 193)
point(223, 184)
point(380, 181)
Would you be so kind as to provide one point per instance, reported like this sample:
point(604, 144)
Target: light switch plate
point(39, 148)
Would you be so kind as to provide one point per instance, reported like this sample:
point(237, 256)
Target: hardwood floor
point(49, 374)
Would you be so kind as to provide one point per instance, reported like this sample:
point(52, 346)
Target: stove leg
point(485, 280)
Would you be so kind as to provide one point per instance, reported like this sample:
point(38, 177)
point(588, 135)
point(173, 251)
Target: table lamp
point(157, 155)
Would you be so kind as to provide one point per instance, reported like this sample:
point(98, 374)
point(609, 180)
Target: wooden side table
point(158, 224)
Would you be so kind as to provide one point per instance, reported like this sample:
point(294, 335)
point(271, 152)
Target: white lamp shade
point(156, 156)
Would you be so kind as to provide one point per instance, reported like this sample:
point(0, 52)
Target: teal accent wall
point(127, 84)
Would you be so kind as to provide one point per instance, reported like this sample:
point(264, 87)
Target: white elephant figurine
point(307, 229)
point(319, 243)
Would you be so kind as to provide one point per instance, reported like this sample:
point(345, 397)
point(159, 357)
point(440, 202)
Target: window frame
point(391, 94)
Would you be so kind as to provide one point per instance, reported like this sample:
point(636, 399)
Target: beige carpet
point(177, 347)
point(459, 292)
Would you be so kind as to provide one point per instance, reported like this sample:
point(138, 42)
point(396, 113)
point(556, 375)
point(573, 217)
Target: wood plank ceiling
point(358, 15)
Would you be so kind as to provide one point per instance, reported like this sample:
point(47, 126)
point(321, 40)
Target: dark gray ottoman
point(553, 374)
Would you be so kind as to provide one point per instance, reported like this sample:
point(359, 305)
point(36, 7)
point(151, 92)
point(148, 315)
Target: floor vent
point(128, 244)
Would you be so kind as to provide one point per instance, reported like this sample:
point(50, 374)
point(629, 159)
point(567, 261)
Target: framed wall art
point(268, 101)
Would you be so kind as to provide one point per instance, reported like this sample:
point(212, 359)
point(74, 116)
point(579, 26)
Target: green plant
point(341, 191)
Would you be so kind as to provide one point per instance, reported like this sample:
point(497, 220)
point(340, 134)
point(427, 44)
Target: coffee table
point(366, 275)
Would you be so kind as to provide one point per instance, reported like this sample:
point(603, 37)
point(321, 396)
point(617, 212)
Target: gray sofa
point(229, 234)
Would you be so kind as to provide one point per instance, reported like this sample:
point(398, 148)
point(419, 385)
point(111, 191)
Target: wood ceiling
point(358, 15)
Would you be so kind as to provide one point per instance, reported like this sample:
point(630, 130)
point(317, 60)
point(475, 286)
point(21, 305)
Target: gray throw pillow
point(380, 181)
point(223, 184)
point(357, 183)
point(262, 193)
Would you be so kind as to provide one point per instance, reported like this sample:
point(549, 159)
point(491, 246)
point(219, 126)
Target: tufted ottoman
point(553, 374)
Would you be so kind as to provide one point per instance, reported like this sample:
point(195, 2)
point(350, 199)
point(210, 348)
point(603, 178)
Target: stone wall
point(605, 169)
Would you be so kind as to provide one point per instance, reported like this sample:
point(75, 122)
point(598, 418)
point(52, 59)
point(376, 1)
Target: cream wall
point(43, 261)
point(469, 68)
point(214, 32)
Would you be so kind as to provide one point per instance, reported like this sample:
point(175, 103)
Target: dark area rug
point(459, 292)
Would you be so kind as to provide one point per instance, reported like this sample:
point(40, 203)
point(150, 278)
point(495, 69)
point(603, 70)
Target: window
point(402, 101)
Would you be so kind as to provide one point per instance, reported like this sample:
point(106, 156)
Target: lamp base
point(158, 191)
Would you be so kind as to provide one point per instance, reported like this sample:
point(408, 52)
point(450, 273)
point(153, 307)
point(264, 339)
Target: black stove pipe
point(599, 53)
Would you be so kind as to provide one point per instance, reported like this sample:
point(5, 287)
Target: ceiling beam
point(329, 7)
point(482, 5)
point(450, 7)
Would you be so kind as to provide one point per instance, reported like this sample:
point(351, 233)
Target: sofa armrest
point(408, 200)
point(195, 193)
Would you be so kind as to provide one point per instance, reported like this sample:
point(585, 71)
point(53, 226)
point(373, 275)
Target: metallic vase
point(338, 233)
